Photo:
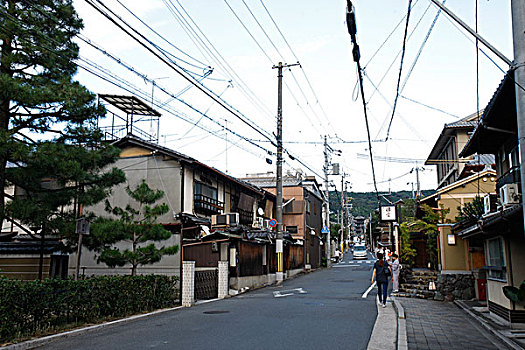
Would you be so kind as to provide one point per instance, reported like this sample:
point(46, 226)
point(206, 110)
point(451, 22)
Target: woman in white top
point(396, 269)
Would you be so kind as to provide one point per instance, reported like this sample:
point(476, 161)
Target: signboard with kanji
point(388, 213)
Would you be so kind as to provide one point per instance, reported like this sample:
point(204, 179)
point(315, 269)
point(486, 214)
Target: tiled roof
point(179, 156)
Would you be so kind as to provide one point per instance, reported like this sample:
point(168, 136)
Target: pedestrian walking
point(381, 275)
point(396, 269)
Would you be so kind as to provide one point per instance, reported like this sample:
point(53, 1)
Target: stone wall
point(455, 286)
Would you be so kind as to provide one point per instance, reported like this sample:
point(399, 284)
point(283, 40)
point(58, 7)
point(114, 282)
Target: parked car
point(360, 252)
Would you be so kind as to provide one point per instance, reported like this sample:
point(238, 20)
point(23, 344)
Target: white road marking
point(365, 294)
point(279, 294)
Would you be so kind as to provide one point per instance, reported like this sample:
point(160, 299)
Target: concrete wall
point(453, 257)
point(291, 273)
point(159, 174)
point(251, 281)
point(466, 194)
point(456, 257)
point(169, 265)
point(495, 293)
point(517, 263)
point(188, 191)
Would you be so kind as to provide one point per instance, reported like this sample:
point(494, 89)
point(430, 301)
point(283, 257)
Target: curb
point(31, 344)
point(402, 340)
point(487, 326)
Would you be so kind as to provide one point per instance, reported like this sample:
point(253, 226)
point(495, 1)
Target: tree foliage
point(48, 122)
point(428, 225)
point(363, 203)
point(471, 211)
point(407, 254)
point(135, 225)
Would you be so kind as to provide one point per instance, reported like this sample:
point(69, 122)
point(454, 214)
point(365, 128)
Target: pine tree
point(48, 133)
point(135, 225)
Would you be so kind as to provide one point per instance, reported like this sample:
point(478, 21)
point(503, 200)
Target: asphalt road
point(320, 310)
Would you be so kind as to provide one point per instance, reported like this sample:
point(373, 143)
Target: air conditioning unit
point(486, 203)
point(258, 223)
point(490, 203)
point(509, 194)
point(229, 219)
point(233, 219)
point(219, 220)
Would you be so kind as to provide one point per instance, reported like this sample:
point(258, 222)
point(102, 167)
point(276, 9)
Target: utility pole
point(226, 149)
point(418, 193)
point(342, 211)
point(418, 190)
point(411, 183)
point(327, 205)
point(518, 30)
point(279, 181)
point(370, 232)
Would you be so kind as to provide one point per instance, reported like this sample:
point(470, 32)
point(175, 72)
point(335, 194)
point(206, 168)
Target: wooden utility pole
point(279, 179)
point(518, 30)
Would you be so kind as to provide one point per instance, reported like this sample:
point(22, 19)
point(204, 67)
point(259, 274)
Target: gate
point(206, 284)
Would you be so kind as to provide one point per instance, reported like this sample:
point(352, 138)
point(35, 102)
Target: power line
point(271, 61)
point(429, 107)
point(388, 37)
point(173, 65)
point(130, 87)
point(400, 69)
point(399, 52)
point(300, 66)
point(214, 54)
point(352, 30)
point(164, 39)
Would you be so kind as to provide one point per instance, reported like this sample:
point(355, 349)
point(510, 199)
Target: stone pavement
point(441, 325)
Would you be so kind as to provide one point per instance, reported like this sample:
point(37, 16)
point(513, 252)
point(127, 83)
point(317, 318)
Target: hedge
point(34, 307)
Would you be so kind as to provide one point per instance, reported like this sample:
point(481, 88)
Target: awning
point(498, 122)
point(488, 224)
point(30, 247)
point(130, 105)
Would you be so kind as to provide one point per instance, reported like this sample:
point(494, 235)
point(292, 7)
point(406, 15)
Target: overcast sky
point(443, 78)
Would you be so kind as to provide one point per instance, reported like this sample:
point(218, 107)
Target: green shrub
point(32, 307)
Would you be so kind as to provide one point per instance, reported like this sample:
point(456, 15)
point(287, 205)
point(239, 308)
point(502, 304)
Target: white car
point(360, 252)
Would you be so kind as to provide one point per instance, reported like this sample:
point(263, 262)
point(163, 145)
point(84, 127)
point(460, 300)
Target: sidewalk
point(441, 325)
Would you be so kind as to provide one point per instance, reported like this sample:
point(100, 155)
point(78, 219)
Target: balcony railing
point(207, 204)
point(509, 177)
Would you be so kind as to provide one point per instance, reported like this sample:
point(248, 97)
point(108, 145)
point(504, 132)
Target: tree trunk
point(134, 262)
point(41, 260)
point(5, 69)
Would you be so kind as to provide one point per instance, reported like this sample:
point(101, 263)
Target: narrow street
point(320, 310)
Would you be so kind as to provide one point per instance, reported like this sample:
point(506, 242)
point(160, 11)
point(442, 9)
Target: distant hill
point(363, 203)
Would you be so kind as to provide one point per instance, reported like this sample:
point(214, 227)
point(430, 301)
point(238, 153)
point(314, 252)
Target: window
point(495, 259)
point(205, 199)
point(291, 229)
point(205, 190)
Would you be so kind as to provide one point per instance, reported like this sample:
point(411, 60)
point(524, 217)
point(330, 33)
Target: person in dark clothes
point(382, 273)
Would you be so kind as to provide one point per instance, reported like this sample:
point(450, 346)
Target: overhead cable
point(400, 69)
point(300, 66)
point(356, 54)
point(173, 65)
point(214, 54)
